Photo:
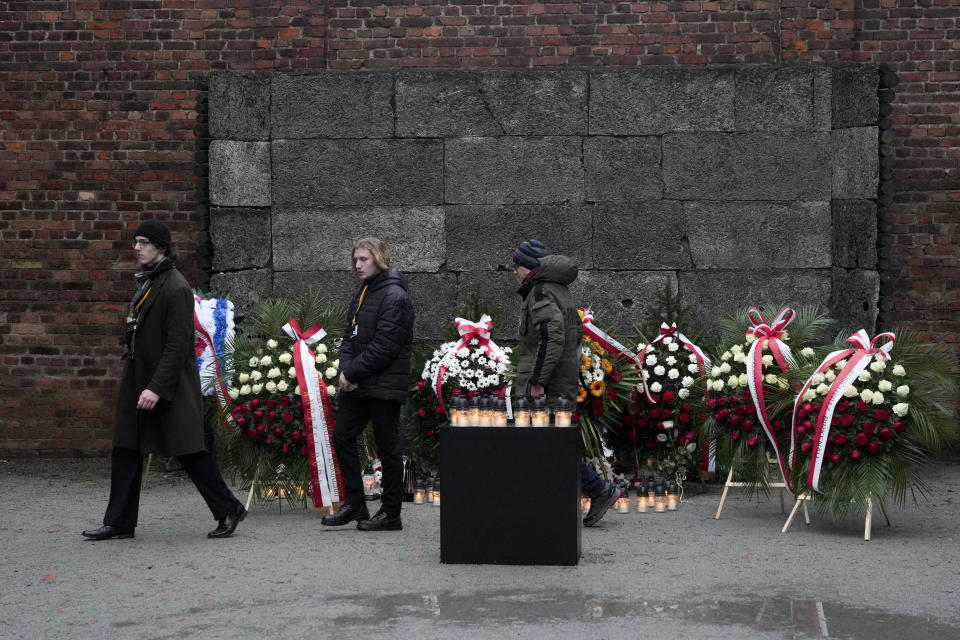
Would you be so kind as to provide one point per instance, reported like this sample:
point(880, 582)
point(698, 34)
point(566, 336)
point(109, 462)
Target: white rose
point(336, 363)
point(830, 375)
point(901, 409)
point(751, 338)
point(266, 361)
point(903, 391)
point(851, 391)
point(877, 397)
point(878, 365)
point(254, 361)
point(271, 386)
point(292, 372)
point(726, 356)
point(234, 393)
point(274, 373)
point(659, 370)
point(331, 390)
point(740, 357)
point(733, 381)
point(656, 387)
point(725, 367)
point(866, 395)
point(899, 370)
point(864, 376)
point(737, 348)
point(717, 384)
point(742, 380)
point(321, 348)
point(807, 352)
point(673, 374)
point(822, 389)
point(684, 393)
point(282, 386)
point(244, 378)
point(257, 388)
point(885, 385)
point(818, 378)
point(245, 389)
point(651, 360)
point(296, 390)
point(767, 360)
point(716, 372)
point(255, 375)
point(285, 358)
point(770, 378)
point(809, 395)
point(840, 364)
point(273, 344)
point(686, 381)
point(330, 373)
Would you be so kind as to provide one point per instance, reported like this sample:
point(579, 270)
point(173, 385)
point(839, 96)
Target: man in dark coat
point(374, 371)
point(548, 355)
point(159, 406)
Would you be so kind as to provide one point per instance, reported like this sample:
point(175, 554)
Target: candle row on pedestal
point(427, 492)
point(485, 411)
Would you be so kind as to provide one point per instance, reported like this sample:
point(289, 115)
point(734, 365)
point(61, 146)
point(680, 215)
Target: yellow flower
point(586, 339)
point(605, 365)
point(585, 362)
point(597, 387)
point(581, 394)
point(598, 349)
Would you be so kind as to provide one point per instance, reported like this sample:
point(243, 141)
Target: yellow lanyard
point(359, 302)
point(137, 307)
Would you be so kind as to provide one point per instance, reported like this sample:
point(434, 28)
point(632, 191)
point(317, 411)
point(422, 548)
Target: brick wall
point(103, 123)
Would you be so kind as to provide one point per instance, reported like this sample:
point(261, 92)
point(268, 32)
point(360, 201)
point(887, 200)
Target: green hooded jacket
point(550, 330)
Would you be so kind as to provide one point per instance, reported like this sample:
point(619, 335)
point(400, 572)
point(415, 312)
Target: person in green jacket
point(548, 356)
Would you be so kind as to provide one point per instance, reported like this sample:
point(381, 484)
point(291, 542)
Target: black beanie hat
point(155, 231)
point(529, 253)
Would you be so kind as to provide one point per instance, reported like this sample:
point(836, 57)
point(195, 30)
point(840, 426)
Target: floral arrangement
point(472, 365)
point(270, 437)
point(662, 426)
point(867, 416)
point(748, 392)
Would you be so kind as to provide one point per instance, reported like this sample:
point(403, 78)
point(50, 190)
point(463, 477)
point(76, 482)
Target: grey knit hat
point(529, 253)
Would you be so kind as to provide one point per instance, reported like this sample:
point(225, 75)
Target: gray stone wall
point(738, 185)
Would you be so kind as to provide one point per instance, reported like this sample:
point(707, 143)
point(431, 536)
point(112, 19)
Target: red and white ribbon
point(612, 346)
point(768, 335)
point(859, 359)
point(205, 345)
point(317, 416)
point(670, 330)
point(469, 331)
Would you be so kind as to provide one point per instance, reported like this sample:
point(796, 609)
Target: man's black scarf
point(145, 279)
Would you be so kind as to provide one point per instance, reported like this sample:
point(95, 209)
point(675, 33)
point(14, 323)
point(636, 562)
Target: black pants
point(352, 416)
point(125, 476)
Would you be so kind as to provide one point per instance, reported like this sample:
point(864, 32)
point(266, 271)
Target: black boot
point(346, 514)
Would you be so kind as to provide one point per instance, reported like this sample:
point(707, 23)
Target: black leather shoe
point(600, 504)
point(381, 522)
point(106, 532)
point(228, 524)
point(346, 514)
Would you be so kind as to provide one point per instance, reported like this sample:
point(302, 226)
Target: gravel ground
point(283, 575)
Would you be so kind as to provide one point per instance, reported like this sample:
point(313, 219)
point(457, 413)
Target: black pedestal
point(510, 495)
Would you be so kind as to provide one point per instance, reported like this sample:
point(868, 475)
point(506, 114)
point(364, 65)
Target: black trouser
point(125, 477)
point(352, 416)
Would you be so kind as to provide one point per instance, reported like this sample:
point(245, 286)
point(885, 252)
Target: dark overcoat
point(166, 363)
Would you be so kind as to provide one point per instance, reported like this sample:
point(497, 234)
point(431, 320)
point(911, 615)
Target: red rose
point(747, 424)
point(641, 423)
point(285, 448)
point(654, 413)
point(751, 408)
point(741, 409)
point(629, 420)
point(268, 440)
point(721, 401)
point(439, 410)
point(753, 441)
point(735, 420)
point(710, 403)
point(597, 407)
point(284, 402)
point(422, 412)
point(296, 435)
point(746, 396)
point(874, 447)
point(801, 430)
point(611, 393)
point(252, 433)
point(261, 428)
point(885, 433)
point(777, 425)
point(722, 414)
point(684, 418)
point(869, 427)
point(287, 417)
point(271, 416)
point(855, 454)
point(668, 396)
point(807, 407)
point(241, 422)
point(835, 458)
point(238, 409)
point(840, 438)
point(686, 407)
point(843, 406)
point(303, 451)
point(471, 393)
point(420, 385)
point(846, 420)
point(805, 447)
point(899, 427)
point(835, 421)
point(735, 435)
point(255, 403)
point(881, 414)
point(278, 432)
point(257, 414)
point(271, 404)
point(861, 439)
point(660, 426)
point(861, 405)
point(428, 433)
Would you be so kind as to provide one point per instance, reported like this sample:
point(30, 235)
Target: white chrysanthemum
point(243, 378)
point(271, 386)
point(245, 390)
point(898, 370)
point(656, 387)
point(673, 346)
point(272, 344)
point(671, 361)
point(257, 388)
point(255, 375)
point(292, 372)
point(331, 390)
point(673, 374)
point(640, 346)
point(667, 340)
point(274, 373)
point(474, 342)
point(684, 393)
point(767, 360)
point(903, 391)
point(693, 368)
point(266, 361)
point(866, 395)
point(282, 386)
point(877, 398)
point(851, 391)
point(807, 352)
point(321, 348)
point(864, 376)
point(651, 360)
point(901, 408)
point(234, 393)
point(885, 385)
point(659, 370)
point(254, 361)
point(645, 374)
point(687, 381)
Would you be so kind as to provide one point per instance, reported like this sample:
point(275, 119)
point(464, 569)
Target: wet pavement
point(641, 575)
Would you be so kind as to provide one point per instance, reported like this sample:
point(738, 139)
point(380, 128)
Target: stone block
point(856, 162)
point(336, 287)
point(622, 169)
point(434, 297)
point(856, 293)
point(655, 100)
point(855, 102)
point(822, 98)
point(640, 235)
point(854, 234)
point(493, 103)
point(619, 299)
point(746, 166)
point(239, 173)
point(498, 292)
point(358, 172)
point(240, 237)
point(777, 99)
point(244, 288)
point(513, 170)
point(306, 238)
point(714, 294)
point(484, 237)
point(332, 105)
point(759, 235)
point(239, 106)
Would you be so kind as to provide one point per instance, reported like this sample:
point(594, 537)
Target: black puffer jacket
point(377, 359)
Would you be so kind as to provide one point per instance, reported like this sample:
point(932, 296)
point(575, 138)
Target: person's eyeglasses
point(143, 243)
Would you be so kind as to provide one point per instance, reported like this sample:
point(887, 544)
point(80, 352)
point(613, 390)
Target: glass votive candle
point(641, 503)
point(623, 502)
point(436, 492)
point(521, 416)
point(419, 492)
